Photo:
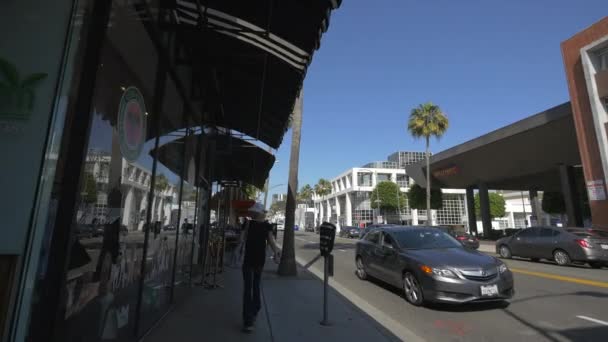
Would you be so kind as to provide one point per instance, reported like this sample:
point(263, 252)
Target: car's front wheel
point(361, 274)
point(505, 252)
point(412, 289)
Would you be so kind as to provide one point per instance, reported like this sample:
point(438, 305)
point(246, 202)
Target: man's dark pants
point(252, 302)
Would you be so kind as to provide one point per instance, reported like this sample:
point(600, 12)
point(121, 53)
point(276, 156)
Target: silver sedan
point(430, 265)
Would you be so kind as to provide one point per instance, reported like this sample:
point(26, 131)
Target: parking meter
point(327, 233)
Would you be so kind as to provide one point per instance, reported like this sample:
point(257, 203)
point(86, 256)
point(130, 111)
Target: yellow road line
point(562, 278)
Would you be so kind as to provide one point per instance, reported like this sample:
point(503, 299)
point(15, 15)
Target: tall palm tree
point(323, 187)
point(425, 121)
point(287, 266)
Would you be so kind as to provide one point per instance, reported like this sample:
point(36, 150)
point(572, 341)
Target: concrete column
point(536, 207)
point(484, 208)
point(569, 193)
point(472, 217)
point(374, 179)
point(328, 211)
point(338, 213)
point(315, 214)
point(414, 217)
point(511, 219)
point(349, 210)
point(321, 212)
point(433, 218)
point(355, 180)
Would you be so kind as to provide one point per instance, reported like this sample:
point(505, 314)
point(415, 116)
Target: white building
point(135, 184)
point(349, 204)
point(519, 212)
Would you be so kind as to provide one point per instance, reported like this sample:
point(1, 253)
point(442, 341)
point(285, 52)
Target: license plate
point(490, 290)
point(604, 246)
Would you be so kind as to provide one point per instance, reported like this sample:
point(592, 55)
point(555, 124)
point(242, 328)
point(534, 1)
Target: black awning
point(235, 159)
point(250, 58)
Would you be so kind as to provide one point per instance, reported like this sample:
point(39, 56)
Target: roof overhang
point(523, 155)
point(235, 159)
point(249, 59)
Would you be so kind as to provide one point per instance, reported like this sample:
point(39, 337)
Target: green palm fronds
point(427, 120)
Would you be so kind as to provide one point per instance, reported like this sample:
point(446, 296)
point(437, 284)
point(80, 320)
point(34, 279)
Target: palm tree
point(323, 187)
point(427, 120)
point(305, 194)
point(287, 266)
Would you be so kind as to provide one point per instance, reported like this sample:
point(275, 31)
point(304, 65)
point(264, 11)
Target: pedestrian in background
point(256, 234)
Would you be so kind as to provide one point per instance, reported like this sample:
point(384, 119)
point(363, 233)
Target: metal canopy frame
point(247, 59)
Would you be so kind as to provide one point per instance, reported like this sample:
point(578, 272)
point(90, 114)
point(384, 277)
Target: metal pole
point(325, 285)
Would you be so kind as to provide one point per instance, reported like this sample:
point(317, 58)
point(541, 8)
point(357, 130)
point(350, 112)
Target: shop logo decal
point(131, 123)
point(17, 96)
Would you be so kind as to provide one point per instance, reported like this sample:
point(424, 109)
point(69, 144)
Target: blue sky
point(486, 63)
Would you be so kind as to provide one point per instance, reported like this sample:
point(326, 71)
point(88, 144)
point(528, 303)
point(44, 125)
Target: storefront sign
point(132, 124)
point(596, 190)
point(450, 171)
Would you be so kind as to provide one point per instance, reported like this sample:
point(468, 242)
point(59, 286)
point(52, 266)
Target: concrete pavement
point(543, 309)
point(292, 310)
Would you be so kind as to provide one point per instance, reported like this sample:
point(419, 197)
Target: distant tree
point(323, 187)
point(90, 189)
point(417, 198)
point(305, 194)
point(387, 196)
point(426, 121)
point(497, 205)
point(277, 207)
point(553, 202)
point(251, 191)
point(162, 183)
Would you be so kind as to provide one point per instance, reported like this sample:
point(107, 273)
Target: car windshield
point(425, 239)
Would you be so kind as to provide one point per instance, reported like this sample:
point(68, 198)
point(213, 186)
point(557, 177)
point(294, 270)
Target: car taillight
point(461, 237)
point(584, 243)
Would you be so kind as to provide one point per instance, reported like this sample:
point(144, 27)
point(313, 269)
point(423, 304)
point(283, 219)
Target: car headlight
point(440, 272)
point(502, 268)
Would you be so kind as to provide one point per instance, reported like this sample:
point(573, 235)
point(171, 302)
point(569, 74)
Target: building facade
point(135, 181)
point(278, 198)
point(349, 203)
point(585, 58)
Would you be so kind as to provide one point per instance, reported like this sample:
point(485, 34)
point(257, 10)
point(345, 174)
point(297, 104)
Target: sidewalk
point(487, 246)
point(291, 311)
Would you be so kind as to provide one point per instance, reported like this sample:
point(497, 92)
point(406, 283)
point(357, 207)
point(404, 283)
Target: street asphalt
point(552, 303)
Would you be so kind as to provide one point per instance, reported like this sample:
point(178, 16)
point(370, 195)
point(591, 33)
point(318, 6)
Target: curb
point(380, 317)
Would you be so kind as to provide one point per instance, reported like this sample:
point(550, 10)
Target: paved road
point(552, 303)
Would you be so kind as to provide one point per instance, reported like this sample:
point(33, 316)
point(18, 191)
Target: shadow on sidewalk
point(292, 311)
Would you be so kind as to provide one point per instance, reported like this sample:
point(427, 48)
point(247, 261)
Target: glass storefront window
point(104, 267)
point(34, 82)
point(161, 250)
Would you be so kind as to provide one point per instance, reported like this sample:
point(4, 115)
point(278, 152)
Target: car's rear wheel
point(596, 264)
point(361, 274)
point(561, 257)
point(505, 252)
point(412, 289)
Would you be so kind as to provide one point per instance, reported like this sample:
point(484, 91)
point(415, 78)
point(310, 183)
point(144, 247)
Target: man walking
point(256, 234)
